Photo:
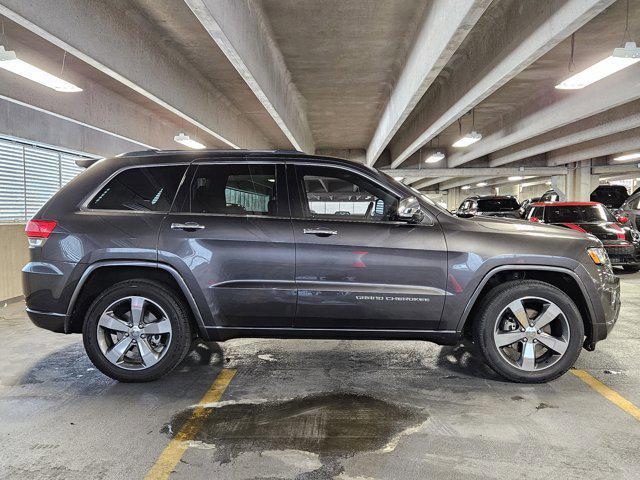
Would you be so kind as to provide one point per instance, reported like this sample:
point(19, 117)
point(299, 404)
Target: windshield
point(497, 204)
point(578, 214)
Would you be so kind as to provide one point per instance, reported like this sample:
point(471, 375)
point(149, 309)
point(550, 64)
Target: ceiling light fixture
point(481, 184)
point(515, 178)
point(10, 62)
point(468, 139)
point(434, 157)
point(188, 142)
point(620, 59)
point(399, 179)
point(466, 187)
point(629, 156)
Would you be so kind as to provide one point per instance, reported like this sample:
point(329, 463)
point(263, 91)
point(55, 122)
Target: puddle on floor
point(330, 425)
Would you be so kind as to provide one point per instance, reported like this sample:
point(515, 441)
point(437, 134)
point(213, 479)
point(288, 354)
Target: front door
point(230, 232)
point(356, 267)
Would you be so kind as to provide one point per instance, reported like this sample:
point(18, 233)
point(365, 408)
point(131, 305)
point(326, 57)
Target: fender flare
point(147, 264)
point(546, 268)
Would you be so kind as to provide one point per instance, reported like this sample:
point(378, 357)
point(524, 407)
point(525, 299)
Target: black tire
point(631, 268)
point(177, 312)
point(488, 315)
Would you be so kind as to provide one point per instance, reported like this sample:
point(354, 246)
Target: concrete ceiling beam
point(610, 145)
point(530, 30)
point(117, 115)
point(445, 26)
point(133, 54)
point(463, 182)
point(554, 109)
point(428, 182)
point(242, 32)
point(616, 120)
point(474, 172)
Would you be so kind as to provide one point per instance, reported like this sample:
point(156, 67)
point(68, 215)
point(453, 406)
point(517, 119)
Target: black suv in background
point(505, 206)
point(145, 252)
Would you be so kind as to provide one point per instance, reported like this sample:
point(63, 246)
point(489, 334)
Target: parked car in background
point(611, 196)
point(630, 209)
point(505, 206)
point(526, 206)
point(550, 196)
point(620, 239)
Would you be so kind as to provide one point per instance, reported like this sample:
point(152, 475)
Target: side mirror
point(409, 210)
point(464, 214)
point(622, 219)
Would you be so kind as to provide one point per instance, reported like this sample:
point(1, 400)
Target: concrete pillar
point(580, 183)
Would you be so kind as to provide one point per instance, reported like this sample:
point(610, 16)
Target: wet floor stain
point(543, 405)
point(330, 425)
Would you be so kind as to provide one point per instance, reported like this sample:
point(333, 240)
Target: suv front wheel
point(529, 331)
point(137, 331)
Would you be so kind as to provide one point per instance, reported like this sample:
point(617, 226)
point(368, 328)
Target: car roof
point(565, 204)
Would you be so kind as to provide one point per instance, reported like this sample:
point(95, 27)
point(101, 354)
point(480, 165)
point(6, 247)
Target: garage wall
point(14, 254)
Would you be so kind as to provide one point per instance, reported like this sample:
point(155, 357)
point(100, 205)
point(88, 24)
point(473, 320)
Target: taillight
point(534, 219)
point(38, 231)
point(40, 228)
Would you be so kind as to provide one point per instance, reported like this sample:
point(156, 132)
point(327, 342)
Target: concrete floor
point(317, 409)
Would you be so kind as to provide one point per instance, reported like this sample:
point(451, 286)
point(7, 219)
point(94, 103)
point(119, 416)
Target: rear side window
point(234, 189)
point(145, 189)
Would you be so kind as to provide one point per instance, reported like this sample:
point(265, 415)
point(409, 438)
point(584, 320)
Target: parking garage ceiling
point(384, 82)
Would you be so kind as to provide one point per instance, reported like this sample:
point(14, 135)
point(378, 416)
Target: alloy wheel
point(134, 333)
point(532, 333)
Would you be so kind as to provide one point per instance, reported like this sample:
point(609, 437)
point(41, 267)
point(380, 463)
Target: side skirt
point(440, 337)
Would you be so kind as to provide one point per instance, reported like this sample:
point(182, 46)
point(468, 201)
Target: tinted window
point(149, 189)
point(537, 212)
point(497, 204)
point(340, 194)
point(578, 214)
point(233, 189)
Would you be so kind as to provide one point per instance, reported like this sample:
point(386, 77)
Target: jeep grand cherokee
point(144, 252)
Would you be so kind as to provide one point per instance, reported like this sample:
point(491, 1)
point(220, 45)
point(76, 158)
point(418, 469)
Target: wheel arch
point(109, 272)
point(563, 278)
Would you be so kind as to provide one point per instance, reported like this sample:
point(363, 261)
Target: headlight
point(598, 255)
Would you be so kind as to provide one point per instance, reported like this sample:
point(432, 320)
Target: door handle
point(188, 226)
point(321, 232)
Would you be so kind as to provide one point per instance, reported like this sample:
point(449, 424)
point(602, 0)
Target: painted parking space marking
point(173, 452)
point(608, 393)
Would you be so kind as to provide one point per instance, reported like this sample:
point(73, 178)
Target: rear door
point(357, 268)
point(230, 231)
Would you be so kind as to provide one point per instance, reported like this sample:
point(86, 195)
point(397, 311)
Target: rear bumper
point(48, 320)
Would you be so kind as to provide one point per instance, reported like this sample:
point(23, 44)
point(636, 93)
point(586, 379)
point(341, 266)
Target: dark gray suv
point(145, 252)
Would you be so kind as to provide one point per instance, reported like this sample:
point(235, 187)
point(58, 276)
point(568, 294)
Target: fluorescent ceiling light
point(629, 156)
point(188, 142)
point(621, 58)
point(515, 178)
point(11, 63)
point(468, 139)
point(398, 178)
point(434, 157)
point(481, 184)
point(466, 187)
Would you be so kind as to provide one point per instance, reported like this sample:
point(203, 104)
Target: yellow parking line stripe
point(172, 454)
point(608, 393)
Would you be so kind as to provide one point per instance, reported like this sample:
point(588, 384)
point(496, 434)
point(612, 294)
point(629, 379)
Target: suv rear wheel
point(137, 331)
point(529, 331)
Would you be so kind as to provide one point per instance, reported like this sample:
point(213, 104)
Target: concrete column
point(580, 183)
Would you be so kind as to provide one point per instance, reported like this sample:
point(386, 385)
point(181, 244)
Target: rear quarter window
point(143, 189)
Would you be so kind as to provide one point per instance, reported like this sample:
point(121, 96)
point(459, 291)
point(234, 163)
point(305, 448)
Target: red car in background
point(620, 239)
